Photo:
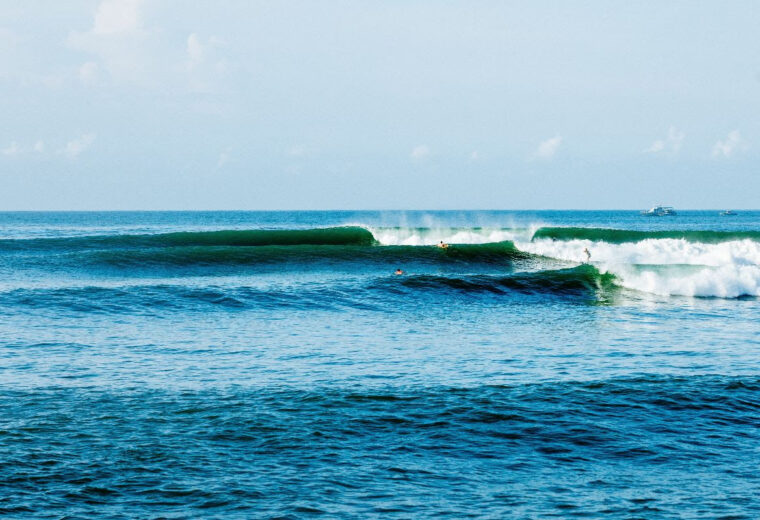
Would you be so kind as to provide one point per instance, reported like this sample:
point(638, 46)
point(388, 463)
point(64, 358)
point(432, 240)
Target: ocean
point(272, 365)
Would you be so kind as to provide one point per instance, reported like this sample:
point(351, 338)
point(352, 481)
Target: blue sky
point(148, 104)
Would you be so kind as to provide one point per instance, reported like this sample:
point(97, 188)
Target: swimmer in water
point(588, 255)
point(399, 271)
point(443, 245)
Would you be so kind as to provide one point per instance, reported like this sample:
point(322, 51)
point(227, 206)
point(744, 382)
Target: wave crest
point(620, 236)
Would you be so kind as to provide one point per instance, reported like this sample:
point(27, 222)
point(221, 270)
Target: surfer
point(443, 245)
point(588, 254)
point(399, 271)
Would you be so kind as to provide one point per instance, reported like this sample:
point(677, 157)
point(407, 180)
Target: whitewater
point(724, 266)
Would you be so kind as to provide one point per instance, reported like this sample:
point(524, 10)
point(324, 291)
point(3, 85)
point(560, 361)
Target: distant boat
point(727, 213)
point(659, 211)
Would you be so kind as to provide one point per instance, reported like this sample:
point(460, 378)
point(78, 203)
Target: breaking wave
point(619, 236)
point(696, 263)
point(724, 264)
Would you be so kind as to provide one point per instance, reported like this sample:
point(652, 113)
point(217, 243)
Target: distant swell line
point(583, 282)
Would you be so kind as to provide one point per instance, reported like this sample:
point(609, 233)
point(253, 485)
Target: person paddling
point(443, 245)
point(399, 271)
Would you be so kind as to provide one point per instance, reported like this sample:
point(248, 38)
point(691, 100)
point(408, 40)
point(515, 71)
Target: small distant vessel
point(727, 213)
point(659, 211)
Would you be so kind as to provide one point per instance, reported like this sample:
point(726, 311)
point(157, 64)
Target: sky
point(416, 104)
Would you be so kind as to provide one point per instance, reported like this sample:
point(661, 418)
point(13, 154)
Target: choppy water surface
point(271, 365)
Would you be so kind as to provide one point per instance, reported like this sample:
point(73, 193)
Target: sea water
point(272, 365)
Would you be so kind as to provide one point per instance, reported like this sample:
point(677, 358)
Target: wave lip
point(621, 236)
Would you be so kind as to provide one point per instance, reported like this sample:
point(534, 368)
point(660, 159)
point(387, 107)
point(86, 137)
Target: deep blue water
point(271, 365)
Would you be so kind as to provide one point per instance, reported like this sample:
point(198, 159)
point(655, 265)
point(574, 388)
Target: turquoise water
point(272, 365)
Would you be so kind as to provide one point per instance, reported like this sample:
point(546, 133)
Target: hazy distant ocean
point(271, 365)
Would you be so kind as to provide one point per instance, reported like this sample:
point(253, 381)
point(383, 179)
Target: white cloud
point(76, 146)
point(657, 146)
point(475, 155)
point(672, 143)
point(224, 158)
point(124, 48)
point(420, 152)
point(732, 144)
point(203, 66)
point(196, 52)
point(117, 16)
point(89, 72)
point(296, 151)
point(546, 149)
point(15, 149)
point(11, 149)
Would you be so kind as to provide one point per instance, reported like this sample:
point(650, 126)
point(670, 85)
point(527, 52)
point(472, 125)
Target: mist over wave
point(431, 236)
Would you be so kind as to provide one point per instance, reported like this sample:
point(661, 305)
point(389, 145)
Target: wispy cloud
point(546, 149)
point(670, 144)
point(420, 152)
point(224, 157)
point(124, 48)
point(203, 66)
point(78, 145)
point(11, 149)
point(16, 149)
point(475, 155)
point(728, 147)
point(117, 17)
point(89, 72)
point(296, 151)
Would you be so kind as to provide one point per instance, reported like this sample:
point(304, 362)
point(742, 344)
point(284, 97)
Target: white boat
point(659, 211)
point(727, 213)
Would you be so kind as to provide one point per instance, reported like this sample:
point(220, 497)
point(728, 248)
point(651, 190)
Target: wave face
point(581, 280)
point(307, 254)
point(336, 236)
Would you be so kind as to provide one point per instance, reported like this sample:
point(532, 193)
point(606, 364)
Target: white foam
point(724, 270)
point(720, 282)
point(651, 251)
point(431, 236)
